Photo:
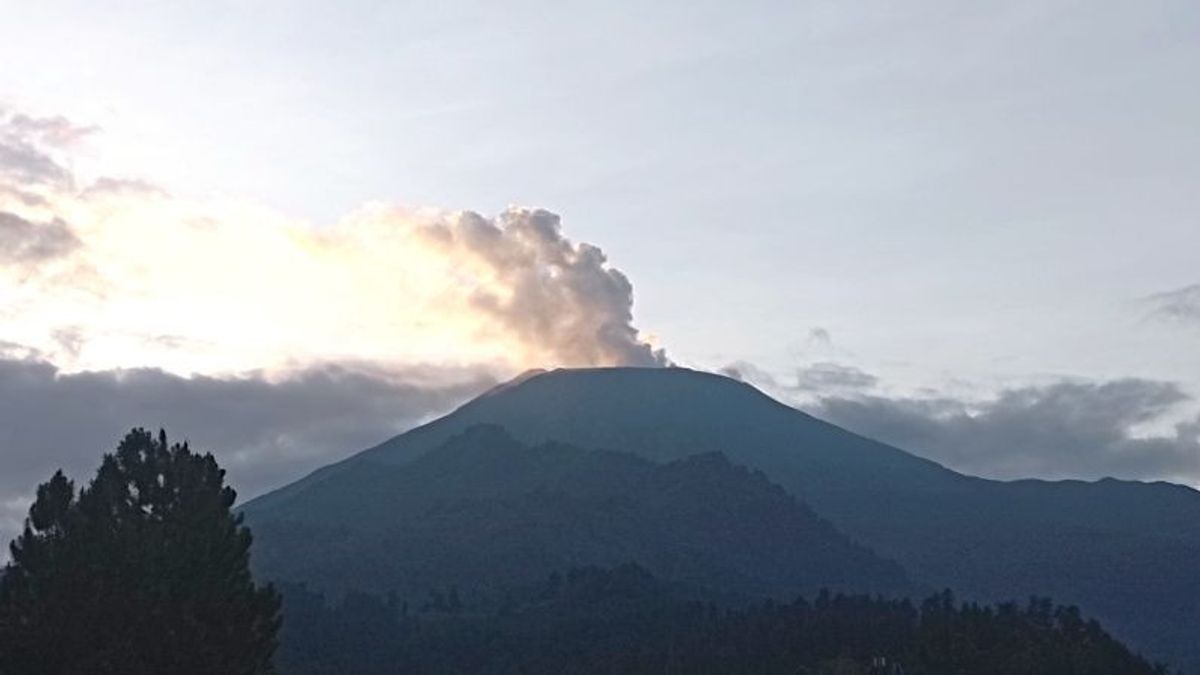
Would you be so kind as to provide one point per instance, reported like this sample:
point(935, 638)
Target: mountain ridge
point(486, 512)
point(1120, 549)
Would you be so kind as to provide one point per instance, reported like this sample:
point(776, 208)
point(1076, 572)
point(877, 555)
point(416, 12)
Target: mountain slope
point(484, 513)
point(1124, 551)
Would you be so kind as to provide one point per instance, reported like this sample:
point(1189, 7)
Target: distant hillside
point(483, 512)
point(1126, 552)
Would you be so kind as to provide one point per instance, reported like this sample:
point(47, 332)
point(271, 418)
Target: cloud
point(1062, 430)
point(55, 131)
point(547, 290)
point(822, 378)
point(241, 286)
point(22, 162)
point(264, 431)
point(27, 145)
point(107, 185)
point(24, 243)
point(819, 339)
point(1182, 304)
point(827, 376)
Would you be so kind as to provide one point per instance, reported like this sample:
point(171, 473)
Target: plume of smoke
point(555, 295)
point(242, 287)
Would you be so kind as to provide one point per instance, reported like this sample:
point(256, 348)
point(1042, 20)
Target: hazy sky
point(933, 209)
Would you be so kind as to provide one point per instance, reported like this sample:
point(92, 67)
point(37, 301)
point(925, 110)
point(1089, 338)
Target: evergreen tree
point(145, 570)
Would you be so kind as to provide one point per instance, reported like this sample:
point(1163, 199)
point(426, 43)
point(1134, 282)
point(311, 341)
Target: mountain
point(1126, 552)
point(485, 513)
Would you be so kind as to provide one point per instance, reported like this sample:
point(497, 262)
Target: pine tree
point(146, 570)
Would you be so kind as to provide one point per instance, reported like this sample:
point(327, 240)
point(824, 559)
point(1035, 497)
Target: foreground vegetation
point(622, 620)
point(146, 571)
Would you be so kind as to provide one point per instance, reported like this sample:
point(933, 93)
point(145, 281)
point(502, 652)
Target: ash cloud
point(560, 296)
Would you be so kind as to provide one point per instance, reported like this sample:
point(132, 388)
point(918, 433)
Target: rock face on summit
point(1125, 552)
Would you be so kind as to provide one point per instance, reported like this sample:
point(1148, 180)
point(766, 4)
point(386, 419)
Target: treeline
point(623, 620)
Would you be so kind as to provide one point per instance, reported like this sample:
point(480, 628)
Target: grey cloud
point(1182, 304)
point(1062, 430)
point(70, 339)
point(821, 378)
point(25, 242)
point(26, 145)
point(564, 297)
point(55, 130)
point(745, 371)
point(26, 198)
point(25, 164)
point(15, 351)
point(828, 376)
point(265, 433)
point(820, 338)
point(107, 185)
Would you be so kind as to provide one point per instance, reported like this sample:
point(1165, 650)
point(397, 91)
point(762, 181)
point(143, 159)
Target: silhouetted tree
point(143, 571)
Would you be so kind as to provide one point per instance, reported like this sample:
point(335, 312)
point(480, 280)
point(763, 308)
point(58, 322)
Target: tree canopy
point(145, 570)
point(624, 620)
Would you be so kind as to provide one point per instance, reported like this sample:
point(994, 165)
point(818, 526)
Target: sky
point(288, 230)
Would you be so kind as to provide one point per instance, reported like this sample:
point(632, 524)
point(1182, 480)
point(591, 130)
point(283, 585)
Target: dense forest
point(623, 620)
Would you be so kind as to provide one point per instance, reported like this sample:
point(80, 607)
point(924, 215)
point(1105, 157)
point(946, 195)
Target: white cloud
point(121, 263)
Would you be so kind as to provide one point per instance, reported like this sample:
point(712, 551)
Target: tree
point(145, 570)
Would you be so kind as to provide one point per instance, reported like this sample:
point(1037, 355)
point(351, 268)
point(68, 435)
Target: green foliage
point(623, 620)
point(143, 571)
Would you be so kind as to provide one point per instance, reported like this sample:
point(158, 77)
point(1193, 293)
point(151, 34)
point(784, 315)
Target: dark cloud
point(1067, 429)
point(24, 242)
point(265, 433)
point(1182, 304)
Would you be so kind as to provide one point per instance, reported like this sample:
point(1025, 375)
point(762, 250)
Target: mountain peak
point(987, 539)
